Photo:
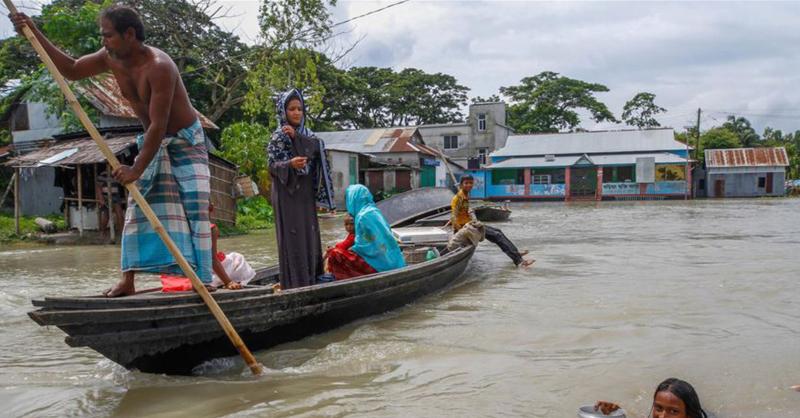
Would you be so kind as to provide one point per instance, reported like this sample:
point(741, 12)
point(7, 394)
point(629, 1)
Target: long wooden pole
point(141, 202)
point(8, 189)
point(111, 215)
point(80, 201)
point(16, 201)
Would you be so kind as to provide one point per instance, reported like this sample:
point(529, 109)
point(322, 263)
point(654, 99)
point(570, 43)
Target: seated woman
point(674, 398)
point(343, 263)
point(372, 248)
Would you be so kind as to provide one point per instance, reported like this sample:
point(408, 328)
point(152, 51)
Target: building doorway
point(583, 182)
point(769, 183)
point(402, 180)
point(719, 188)
point(427, 176)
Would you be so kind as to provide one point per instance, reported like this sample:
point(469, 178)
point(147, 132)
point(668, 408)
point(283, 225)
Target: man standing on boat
point(460, 215)
point(171, 169)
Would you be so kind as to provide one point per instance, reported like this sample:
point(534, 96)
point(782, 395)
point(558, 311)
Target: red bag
point(175, 283)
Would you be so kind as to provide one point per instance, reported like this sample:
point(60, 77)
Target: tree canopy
point(548, 102)
point(640, 111)
point(740, 126)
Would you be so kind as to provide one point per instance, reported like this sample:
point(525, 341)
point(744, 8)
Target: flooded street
point(622, 296)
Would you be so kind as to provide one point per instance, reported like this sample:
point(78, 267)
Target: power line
point(758, 115)
point(300, 34)
point(371, 12)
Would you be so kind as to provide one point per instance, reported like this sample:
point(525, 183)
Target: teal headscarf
point(374, 240)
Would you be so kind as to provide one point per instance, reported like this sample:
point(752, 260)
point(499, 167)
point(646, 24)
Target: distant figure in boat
point(674, 398)
point(460, 215)
point(373, 247)
point(343, 263)
point(231, 270)
point(300, 183)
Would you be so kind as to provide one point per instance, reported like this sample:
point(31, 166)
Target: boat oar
point(140, 200)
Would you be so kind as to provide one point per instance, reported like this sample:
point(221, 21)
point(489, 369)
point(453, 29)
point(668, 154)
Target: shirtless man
point(150, 81)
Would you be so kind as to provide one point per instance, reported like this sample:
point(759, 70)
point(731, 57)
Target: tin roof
point(604, 160)
point(104, 94)
point(577, 143)
point(746, 157)
point(373, 141)
point(73, 151)
point(83, 150)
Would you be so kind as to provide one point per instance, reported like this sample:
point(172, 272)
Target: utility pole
point(697, 140)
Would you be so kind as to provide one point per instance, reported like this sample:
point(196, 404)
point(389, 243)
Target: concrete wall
point(41, 124)
point(340, 173)
point(470, 137)
point(494, 136)
point(434, 137)
point(38, 196)
point(744, 184)
point(406, 158)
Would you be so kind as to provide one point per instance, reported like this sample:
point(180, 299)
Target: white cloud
point(719, 56)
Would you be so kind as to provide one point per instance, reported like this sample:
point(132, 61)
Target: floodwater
point(622, 296)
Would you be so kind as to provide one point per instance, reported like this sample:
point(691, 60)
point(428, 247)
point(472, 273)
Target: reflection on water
point(622, 296)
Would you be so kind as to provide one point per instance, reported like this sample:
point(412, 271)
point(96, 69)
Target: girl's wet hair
point(348, 219)
point(685, 392)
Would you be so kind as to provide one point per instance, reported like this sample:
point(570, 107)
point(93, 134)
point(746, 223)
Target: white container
point(417, 235)
point(589, 412)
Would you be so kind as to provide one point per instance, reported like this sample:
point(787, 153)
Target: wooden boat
point(174, 332)
point(492, 213)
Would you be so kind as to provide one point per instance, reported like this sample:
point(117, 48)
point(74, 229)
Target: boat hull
point(173, 335)
point(492, 214)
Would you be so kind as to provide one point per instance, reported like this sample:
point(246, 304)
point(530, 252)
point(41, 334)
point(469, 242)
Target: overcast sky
point(722, 57)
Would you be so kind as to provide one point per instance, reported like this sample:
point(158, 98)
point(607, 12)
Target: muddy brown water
point(622, 296)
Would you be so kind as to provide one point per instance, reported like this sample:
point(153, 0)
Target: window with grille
point(540, 179)
point(481, 122)
point(450, 141)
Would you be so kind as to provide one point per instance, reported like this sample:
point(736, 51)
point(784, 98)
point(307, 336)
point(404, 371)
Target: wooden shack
point(81, 174)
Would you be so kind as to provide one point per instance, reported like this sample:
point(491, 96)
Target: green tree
point(372, 95)
point(640, 111)
point(244, 144)
point(213, 62)
point(547, 102)
point(741, 127)
point(719, 138)
point(291, 30)
point(417, 98)
point(491, 99)
point(71, 25)
point(791, 142)
point(381, 97)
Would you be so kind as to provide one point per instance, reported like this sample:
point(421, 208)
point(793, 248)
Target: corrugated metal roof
point(374, 141)
point(87, 152)
point(104, 94)
point(622, 159)
point(569, 160)
point(747, 157)
point(523, 162)
point(649, 140)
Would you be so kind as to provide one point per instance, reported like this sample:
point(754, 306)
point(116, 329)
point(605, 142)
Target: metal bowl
point(589, 412)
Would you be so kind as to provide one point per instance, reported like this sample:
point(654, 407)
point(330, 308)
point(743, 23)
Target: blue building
point(616, 165)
